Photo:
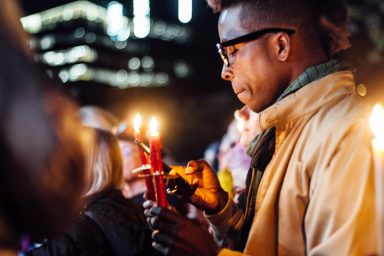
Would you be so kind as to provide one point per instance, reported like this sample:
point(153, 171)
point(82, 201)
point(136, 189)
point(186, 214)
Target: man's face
point(131, 159)
point(253, 73)
point(251, 125)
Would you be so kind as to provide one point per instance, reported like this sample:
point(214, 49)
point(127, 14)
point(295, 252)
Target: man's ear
point(282, 43)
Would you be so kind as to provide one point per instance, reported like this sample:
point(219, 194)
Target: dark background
point(196, 113)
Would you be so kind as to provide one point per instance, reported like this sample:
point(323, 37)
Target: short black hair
point(323, 20)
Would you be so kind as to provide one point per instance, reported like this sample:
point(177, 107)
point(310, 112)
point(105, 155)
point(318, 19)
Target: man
point(251, 125)
point(310, 189)
point(134, 187)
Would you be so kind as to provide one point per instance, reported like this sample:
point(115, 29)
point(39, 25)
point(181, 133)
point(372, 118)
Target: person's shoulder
point(333, 125)
point(113, 209)
point(122, 222)
point(350, 111)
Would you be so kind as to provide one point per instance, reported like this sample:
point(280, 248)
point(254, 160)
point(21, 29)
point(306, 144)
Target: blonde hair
point(97, 117)
point(105, 163)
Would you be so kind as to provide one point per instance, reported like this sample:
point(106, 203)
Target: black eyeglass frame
point(246, 38)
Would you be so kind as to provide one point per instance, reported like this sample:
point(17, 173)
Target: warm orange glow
point(153, 127)
point(137, 122)
point(377, 125)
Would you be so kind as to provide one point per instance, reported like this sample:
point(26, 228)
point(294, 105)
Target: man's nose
point(226, 73)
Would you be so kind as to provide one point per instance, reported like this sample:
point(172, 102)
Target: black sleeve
point(123, 225)
point(58, 245)
point(84, 238)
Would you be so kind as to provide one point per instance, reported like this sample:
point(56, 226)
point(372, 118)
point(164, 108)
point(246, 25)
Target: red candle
point(144, 161)
point(156, 163)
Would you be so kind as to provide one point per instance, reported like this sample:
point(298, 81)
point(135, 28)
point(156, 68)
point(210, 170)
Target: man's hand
point(175, 234)
point(208, 195)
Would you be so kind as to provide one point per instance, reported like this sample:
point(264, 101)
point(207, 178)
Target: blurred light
point(173, 30)
point(47, 42)
point(114, 13)
point(141, 26)
point(79, 32)
point(376, 121)
point(141, 8)
point(121, 44)
point(59, 59)
point(147, 63)
point(137, 123)
point(32, 23)
point(90, 37)
point(121, 78)
point(82, 53)
point(49, 57)
point(92, 11)
point(54, 58)
point(133, 78)
point(77, 71)
point(162, 78)
point(182, 69)
point(185, 11)
point(141, 18)
point(32, 42)
point(49, 73)
point(123, 34)
point(134, 63)
point(64, 76)
point(146, 79)
point(68, 13)
point(153, 127)
point(115, 22)
point(361, 90)
point(159, 28)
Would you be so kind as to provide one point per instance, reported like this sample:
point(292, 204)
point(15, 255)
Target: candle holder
point(175, 184)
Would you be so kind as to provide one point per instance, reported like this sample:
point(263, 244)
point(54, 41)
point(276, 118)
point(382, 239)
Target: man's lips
point(237, 92)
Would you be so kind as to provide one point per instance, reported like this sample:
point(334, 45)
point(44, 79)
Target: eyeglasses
point(228, 48)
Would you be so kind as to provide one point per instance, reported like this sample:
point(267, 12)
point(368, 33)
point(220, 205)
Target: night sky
point(199, 114)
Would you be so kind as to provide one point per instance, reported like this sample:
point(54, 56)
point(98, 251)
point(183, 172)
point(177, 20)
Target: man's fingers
point(192, 167)
point(162, 238)
point(196, 166)
point(161, 248)
point(149, 222)
point(148, 204)
point(166, 227)
point(166, 215)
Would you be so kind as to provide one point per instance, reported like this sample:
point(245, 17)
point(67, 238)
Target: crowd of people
point(297, 178)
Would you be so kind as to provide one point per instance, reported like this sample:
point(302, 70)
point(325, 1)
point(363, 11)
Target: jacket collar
point(308, 99)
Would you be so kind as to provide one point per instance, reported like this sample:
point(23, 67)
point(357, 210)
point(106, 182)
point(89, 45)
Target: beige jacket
point(316, 196)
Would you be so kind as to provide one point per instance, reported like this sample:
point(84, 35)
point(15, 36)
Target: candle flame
point(137, 122)
point(153, 127)
point(377, 125)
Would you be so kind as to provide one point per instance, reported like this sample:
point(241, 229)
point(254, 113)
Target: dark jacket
point(109, 225)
